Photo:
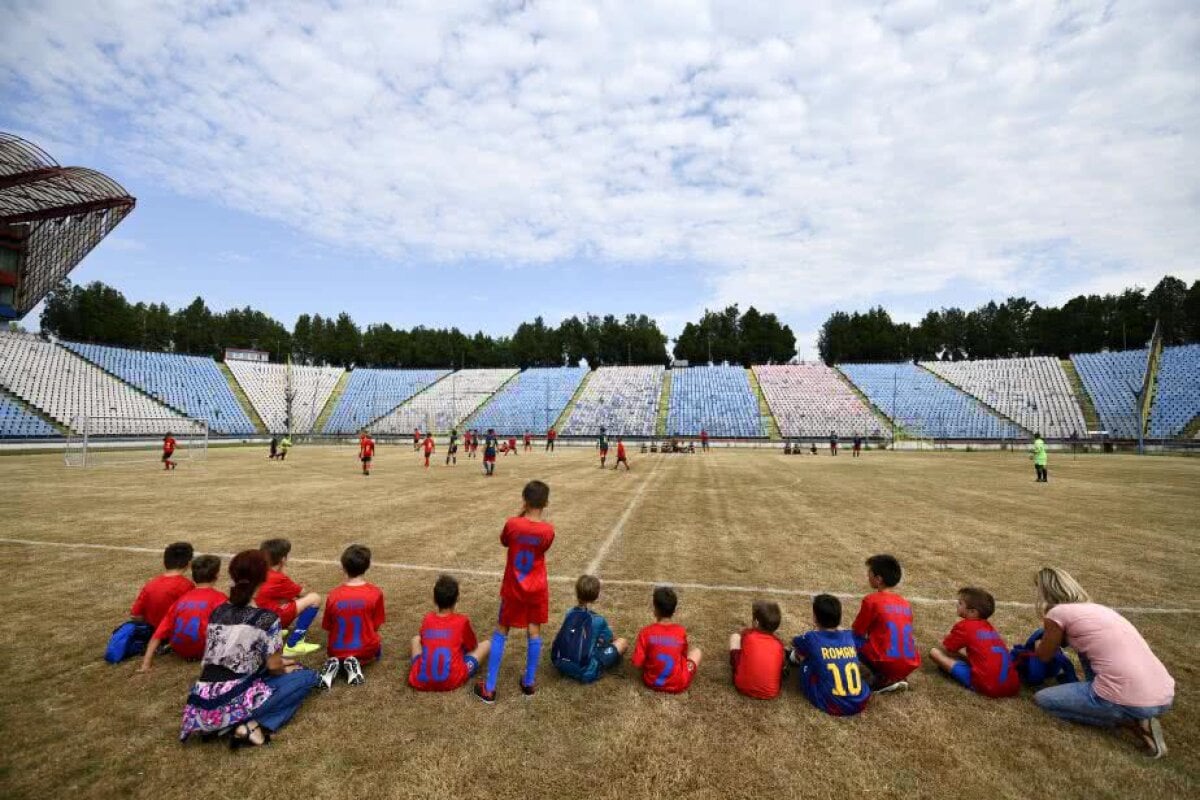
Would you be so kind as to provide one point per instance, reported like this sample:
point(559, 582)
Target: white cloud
point(805, 154)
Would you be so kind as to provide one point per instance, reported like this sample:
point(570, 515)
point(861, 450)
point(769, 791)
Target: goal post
point(103, 441)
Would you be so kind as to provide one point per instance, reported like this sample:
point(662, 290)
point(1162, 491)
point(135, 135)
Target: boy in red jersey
point(662, 650)
point(528, 441)
point(445, 654)
point(366, 451)
point(551, 435)
point(416, 439)
point(168, 451)
point(621, 457)
point(883, 629)
point(987, 666)
point(512, 445)
point(155, 599)
point(428, 445)
point(353, 615)
point(185, 627)
point(287, 599)
point(756, 654)
point(524, 591)
point(703, 440)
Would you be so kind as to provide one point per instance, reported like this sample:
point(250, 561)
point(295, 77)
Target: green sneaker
point(301, 648)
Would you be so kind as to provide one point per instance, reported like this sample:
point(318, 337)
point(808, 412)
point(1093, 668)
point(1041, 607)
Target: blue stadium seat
point(719, 400)
point(1112, 381)
point(16, 422)
point(371, 393)
point(1177, 399)
point(532, 401)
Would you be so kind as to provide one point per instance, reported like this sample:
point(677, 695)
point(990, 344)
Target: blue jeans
point(1078, 702)
point(287, 693)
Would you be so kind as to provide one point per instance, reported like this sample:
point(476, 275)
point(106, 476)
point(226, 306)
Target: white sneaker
point(354, 673)
point(329, 672)
point(898, 686)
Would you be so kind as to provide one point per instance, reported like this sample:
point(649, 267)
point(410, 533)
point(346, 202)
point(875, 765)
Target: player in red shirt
point(366, 451)
point(524, 590)
point(621, 457)
point(445, 654)
point(160, 592)
point(353, 616)
point(883, 629)
point(528, 441)
point(756, 654)
point(661, 651)
point(703, 440)
point(416, 439)
point(168, 451)
point(429, 447)
point(287, 599)
point(512, 445)
point(551, 435)
point(987, 665)
point(185, 626)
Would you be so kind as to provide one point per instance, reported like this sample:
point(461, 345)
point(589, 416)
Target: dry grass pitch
point(717, 526)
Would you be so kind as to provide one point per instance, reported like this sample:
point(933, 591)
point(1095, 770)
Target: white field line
point(593, 567)
point(485, 573)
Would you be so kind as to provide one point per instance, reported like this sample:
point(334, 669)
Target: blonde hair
point(1056, 586)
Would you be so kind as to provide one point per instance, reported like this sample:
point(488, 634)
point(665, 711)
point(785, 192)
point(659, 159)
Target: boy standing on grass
point(428, 446)
point(883, 628)
point(287, 599)
point(621, 457)
point(185, 627)
point(602, 442)
point(986, 665)
point(353, 615)
point(662, 650)
point(524, 591)
point(445, 654)
point(489, 453)
point(830, 675)
point(168, 451)
point(366, 451)
point(756, 654)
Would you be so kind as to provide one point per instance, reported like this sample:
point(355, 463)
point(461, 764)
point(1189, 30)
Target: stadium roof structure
point(51, 216)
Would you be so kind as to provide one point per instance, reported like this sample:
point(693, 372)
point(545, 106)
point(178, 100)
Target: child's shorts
point(962, 673)
point(515, 614)
point(287, 614)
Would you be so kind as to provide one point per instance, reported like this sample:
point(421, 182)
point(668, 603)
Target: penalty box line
point(635, 582)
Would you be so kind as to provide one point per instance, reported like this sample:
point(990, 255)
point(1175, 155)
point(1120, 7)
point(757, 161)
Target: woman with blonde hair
point(1124, 682)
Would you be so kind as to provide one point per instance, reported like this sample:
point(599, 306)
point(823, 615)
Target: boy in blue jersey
point(605, 650)
point(830, 675)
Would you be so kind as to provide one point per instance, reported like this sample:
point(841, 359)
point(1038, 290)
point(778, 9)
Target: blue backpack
point(128, 640)
point(1034, 672)
point(575, 639)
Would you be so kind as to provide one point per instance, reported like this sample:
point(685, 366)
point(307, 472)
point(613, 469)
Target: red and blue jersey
point(186, 625)
point(158, 595)
point(830, 675)
point(353, 616)
point(661, 654)
point(884, 631)
point(445, 641)
point(992, 671)
point(527, 541)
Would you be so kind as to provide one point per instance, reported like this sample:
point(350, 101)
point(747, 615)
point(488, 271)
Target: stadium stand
point(622, 400)
point(266, 386)
point(531, 401)
point(371, 393)
point(812, 400)
point(1177, 400)
point(1034, 392)
point(63, 386)
point(191, 384)
point(445, 404)
point(1113, 380)
point(926, 406)
point(718, 399)
point(17, 423)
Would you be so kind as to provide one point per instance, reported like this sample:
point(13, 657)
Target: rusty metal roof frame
point(64, 213)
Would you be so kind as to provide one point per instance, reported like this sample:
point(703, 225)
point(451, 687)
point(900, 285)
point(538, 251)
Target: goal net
point(101, 441)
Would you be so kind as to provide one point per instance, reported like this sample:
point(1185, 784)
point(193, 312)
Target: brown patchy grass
point(1125, 527)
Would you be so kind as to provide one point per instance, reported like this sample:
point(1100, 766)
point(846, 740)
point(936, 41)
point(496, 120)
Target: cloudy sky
point(456, 162)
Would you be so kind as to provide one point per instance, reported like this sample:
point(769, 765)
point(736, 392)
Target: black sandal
point(237, 742)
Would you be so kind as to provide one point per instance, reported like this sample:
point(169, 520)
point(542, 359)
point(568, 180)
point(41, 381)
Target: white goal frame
point(94, 441)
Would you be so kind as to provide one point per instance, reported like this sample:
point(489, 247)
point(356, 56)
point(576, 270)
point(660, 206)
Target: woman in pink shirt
point(1124, 682)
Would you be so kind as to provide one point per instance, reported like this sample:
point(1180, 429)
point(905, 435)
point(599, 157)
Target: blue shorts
point(472, 665)
point(962, 673)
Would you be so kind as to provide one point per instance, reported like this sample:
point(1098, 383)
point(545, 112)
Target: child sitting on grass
point(287, 599)
point(353, 615)
point(830, 675)
point(973, 653)
point(585, 648)
point(662, 650)
point(445, 654)
point(756, 654)
point(185, 626)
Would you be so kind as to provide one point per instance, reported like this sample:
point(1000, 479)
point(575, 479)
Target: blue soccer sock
point(532, 656)
point(301, 627)
point(494, 659)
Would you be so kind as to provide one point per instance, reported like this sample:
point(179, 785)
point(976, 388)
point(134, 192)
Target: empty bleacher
point(1177, 399)
point(926, 406)
point(531, 401)
point(191, 384)
point(622, 400)
point(718, 399)
point(17, 423)
point(266, 387)
point(445, 404)
point(371, 393)
point(64, 386)
point(1113, 380)
point(1034, 392)
point(812, 400)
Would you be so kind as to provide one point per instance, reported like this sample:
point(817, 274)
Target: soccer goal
point(103, 441)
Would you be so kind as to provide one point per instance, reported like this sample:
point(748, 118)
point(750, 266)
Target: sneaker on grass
point(354, 673)
point(329, 672)
point(300, 649)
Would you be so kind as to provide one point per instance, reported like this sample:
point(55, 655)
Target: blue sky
point(476, 163)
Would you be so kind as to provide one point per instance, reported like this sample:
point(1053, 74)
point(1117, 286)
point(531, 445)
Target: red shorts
point(489, 459)
point(515, 614)
point(287, 614)
point(889, 671)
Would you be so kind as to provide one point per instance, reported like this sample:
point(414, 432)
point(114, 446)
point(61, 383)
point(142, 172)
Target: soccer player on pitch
point(621, 457)
point(428, 446)
point(452, 448)
point(366, 451)
point(602, 442)
point(489, 453)
point(551, 435)
point(528, 441)
point(168, 451)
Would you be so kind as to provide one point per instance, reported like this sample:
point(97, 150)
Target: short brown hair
point(205, 569)
point(767, 615)
point(979, 600)
point(276, 550)
point(587, 588)
point(536, 494)
point(356, 560)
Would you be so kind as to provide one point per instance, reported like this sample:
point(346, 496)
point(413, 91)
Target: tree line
point(1018, 327)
